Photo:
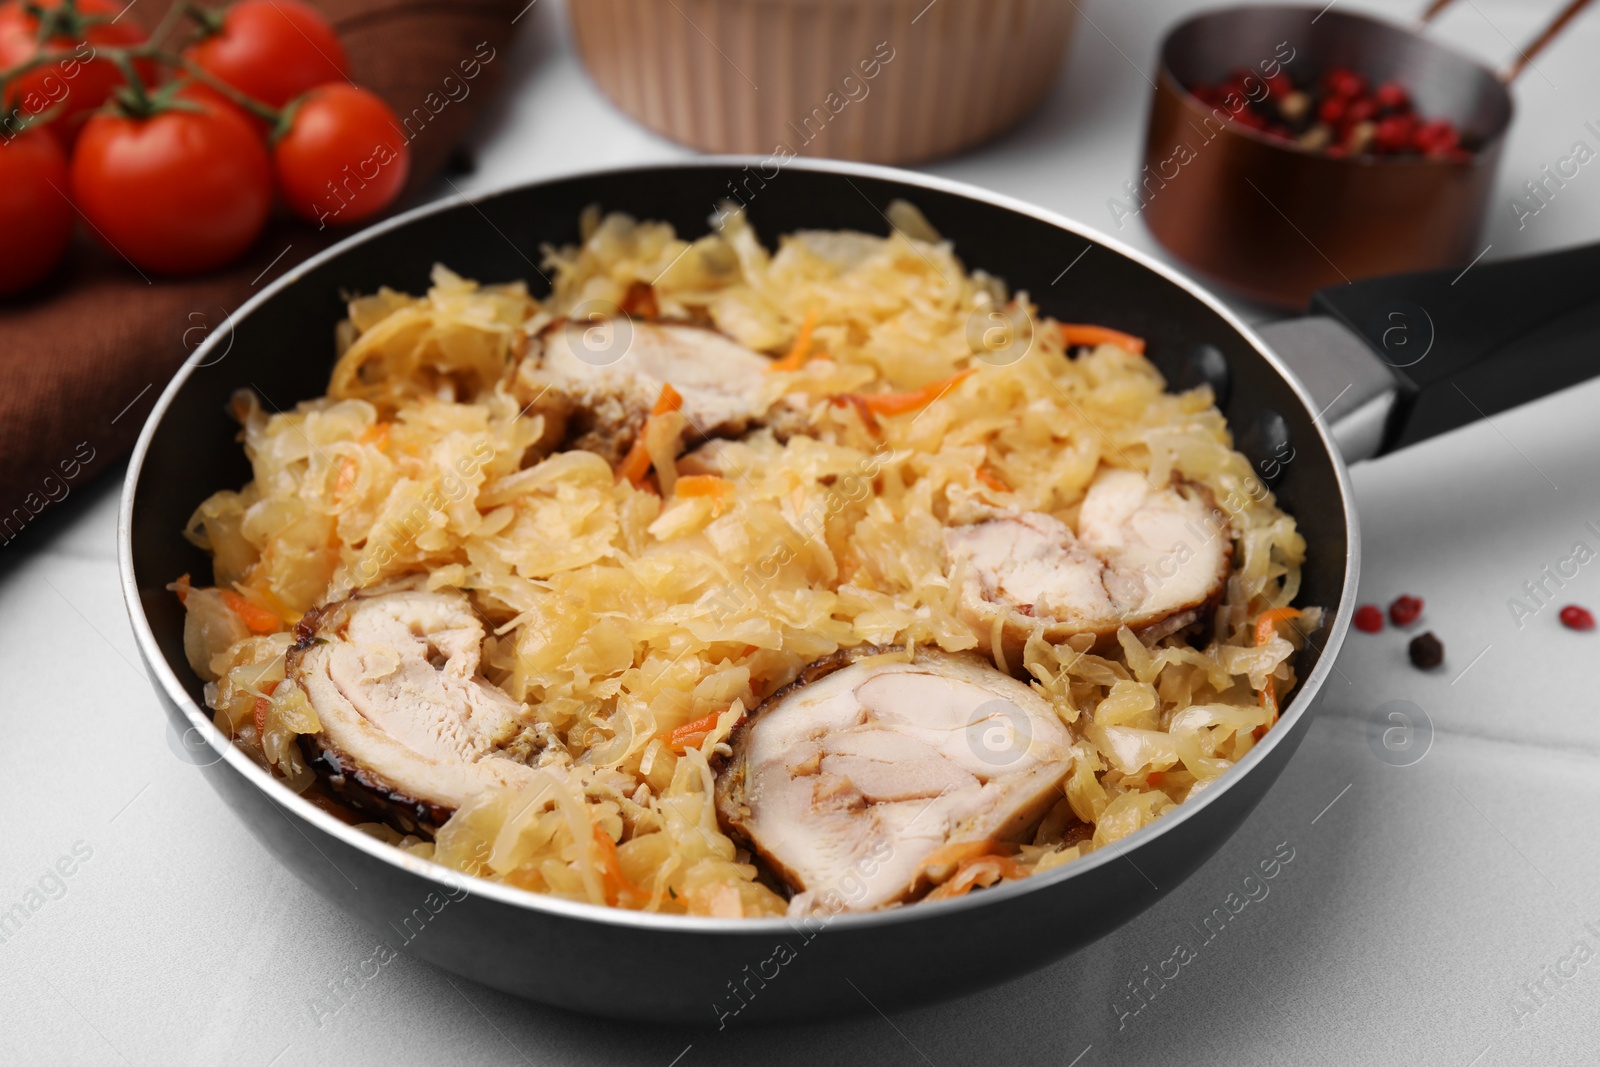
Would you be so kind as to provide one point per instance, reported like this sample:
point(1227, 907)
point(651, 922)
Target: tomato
point(272, 50)
point(343, 158)
point(77, 81)
point(177, 192)
point(35, 214)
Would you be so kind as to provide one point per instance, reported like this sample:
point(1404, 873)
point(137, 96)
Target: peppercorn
point(1405, 610)
point(1369, 618)
point(1576, 618)
point(1427, 651)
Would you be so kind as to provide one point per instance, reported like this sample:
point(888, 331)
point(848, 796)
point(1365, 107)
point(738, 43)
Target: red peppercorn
point(1360, 110)
point(1332, 110)
point(1280, 85)
point(1393, 133)
point(1576, 618)
point(1391, 96)
point(1369, 618)
point(1341, 81)
point(1405, 610)
point(1436, 138)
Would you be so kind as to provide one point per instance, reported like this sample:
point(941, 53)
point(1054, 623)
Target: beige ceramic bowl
point(883, 81)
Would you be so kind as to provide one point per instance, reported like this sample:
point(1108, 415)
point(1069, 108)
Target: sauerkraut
point(621, 617)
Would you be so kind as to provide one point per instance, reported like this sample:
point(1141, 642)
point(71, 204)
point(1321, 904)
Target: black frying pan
point(677, 969)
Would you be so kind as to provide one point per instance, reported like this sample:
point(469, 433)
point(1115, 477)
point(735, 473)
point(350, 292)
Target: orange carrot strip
point(992, 480)
point(260, 716)
point(347, 477)
point(1269, 619)
point(900, 403)
point(1265, 628)
point(959, 852)
point(617, 884)
point(669, 400)
point(1155, 778)
point(181, 587)
point(692, 734)
point(1075, 333)
point(257, 619)
point(376, 434)
point(711, 485)
point(636, 464)
point(984, 871)
point(802, 347)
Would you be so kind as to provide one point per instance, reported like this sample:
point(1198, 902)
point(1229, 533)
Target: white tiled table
point(1422, 910)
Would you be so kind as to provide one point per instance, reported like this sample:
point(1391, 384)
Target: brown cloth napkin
point(83, 359)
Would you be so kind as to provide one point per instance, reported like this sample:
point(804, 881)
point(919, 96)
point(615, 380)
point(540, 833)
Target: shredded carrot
point(636, 464)
point(868, 419)
point(376, 434)
point(181, 587)
point(711, 485)
point(802, 347)
point(1155, 778)
point(640, 302)
point(1268, 620)
point(617, 884)
point(1265, 628)
point(981, 871)
point(347, 477)
point(692, 734)
point(257, 619)
point(269, 688)
point(901, 403)
point(670, 400)
point(1074, 333)
point(260, 716)
point(992, 480)
point(956, 853)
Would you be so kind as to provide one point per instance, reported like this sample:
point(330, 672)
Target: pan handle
point(1462, 345)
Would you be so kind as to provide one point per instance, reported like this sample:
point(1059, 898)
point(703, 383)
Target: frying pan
point(1501, 334)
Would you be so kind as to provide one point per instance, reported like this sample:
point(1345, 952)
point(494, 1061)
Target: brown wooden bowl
point(1278, 222)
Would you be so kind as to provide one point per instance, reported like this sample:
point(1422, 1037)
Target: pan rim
point(293, 804)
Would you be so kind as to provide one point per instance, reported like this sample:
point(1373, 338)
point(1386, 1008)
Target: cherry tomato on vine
point(35, 215)
point(77, 81)
point(343, 158)
point(272, 50)
point(176, 192)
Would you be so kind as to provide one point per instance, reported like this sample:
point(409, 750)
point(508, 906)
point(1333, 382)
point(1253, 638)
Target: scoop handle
point(1466, 344)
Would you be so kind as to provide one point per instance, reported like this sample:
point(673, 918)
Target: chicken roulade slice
point(410, 729)
point(1145, 557)
point(597, 381)
point(849, 781)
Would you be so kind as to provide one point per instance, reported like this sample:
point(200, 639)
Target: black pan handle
point(1466, 344)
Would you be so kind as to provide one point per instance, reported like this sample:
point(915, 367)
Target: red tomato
point(176, 193)
point(35, 214)
point(77, 81)
point(343, 158)
point(272, 50)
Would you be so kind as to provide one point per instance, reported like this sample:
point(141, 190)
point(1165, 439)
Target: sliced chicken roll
point(1144, 557)
point(410, 728)
point(861, 783)
point(599, 380)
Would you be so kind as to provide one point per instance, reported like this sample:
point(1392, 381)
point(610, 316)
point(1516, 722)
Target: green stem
point(204, 77)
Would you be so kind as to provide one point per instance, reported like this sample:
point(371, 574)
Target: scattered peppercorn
point(1338, 115)
point(1427, 651)
point(1369, 618)
point(1576, 618)
point(1405, 610)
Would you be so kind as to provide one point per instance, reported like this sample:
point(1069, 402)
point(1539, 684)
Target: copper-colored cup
point(1278, 222)
point(881, 81)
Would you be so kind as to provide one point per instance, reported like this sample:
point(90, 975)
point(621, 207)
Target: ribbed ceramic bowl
point(882, 81)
